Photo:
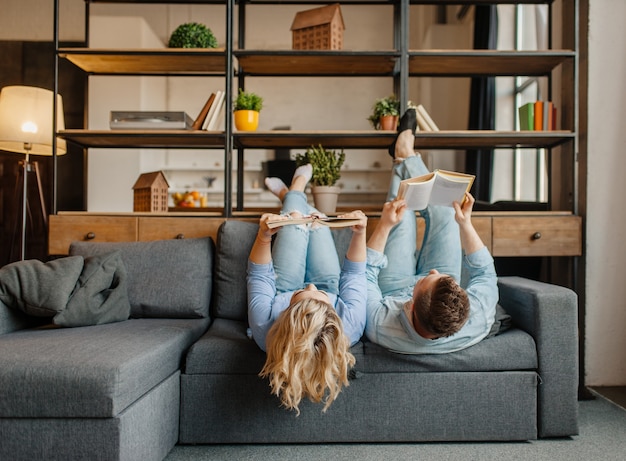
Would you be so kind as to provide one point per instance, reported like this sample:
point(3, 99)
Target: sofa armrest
point(550, 314)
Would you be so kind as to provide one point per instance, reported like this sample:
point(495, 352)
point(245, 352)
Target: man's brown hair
point(443, 310)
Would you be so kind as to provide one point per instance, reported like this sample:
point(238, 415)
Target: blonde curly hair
point(308, 354)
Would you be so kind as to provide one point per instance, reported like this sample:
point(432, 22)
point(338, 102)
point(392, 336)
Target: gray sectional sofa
point(183, 370)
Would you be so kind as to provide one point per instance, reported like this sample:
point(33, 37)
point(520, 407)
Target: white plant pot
point(325, 198)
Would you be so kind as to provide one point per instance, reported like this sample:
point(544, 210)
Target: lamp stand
point(22, 180)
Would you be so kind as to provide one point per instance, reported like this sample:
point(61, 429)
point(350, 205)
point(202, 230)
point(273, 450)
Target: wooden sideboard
point(514, 234)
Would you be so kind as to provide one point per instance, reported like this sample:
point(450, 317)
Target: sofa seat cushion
point(226, 349)
point(94, 371)
point(512, 350)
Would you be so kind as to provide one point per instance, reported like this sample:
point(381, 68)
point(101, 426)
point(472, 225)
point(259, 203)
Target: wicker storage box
point(151, 192)
point(318, 29)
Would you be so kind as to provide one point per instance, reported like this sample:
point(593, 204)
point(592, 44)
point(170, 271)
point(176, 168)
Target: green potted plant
point(326, 172)
point(385, 113)
point(246, 110)
point(192, 35)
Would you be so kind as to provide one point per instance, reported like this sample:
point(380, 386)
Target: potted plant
point(385, 113)
point(326, 172)
point(192, 35)
point(246, 110)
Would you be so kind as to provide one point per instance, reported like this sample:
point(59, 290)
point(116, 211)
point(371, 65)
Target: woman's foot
point(402, 146)
point(301, 177)
point(305, 170)
point(276, 187)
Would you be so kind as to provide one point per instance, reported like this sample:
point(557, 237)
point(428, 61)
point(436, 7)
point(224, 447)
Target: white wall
point(606, 220)
point(605, 357)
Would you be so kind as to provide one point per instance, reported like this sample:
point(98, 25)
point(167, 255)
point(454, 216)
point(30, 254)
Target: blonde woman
point(304, 310)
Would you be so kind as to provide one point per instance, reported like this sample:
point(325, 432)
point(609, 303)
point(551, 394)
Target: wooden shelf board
point(316, 63)
point(382, 139)
point(485, 62)
point(147, 61)
point(144, 138)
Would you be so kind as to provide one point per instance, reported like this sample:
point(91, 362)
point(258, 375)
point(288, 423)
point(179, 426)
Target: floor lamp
point(26, 127)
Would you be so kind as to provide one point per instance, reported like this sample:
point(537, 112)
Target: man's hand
point(463, 214)
point(392, 213)
point(470, 240)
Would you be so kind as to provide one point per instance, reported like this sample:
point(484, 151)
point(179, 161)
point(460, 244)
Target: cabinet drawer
point(537, 236)
point(482, 225)
point(67, 229)
point(163, 228)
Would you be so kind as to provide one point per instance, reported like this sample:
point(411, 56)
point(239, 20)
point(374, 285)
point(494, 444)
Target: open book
point(440, 187)
point(326, 221)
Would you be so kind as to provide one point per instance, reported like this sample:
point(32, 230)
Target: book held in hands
point(440, 187)
point(325, 221)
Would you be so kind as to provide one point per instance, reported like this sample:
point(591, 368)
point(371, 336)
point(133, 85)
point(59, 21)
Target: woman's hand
point(361, 227)
point(265, 233)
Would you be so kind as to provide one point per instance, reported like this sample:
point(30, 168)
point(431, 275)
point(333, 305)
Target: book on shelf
point(537, 116)
point(527, 116)
point(441, 187)
point(218, 122)
point(326, 221)
point(538, 125)
point(213, 115)
point(150, 120)
point(424, 120)
point(199, 121)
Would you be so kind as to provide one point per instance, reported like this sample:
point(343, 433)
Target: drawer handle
point(180, 236)
point(536, 235)
point(90, 236)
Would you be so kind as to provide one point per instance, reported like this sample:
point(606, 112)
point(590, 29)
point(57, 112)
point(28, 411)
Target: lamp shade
point(26, 118)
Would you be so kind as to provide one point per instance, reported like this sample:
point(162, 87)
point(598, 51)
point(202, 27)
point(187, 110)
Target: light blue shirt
point(265, 304)
point(388, 325)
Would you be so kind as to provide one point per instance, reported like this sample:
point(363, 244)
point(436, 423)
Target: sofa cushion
point(226, 349)
point(166, 278)
point(90, 372)
point(234, 241)
point(512, 350)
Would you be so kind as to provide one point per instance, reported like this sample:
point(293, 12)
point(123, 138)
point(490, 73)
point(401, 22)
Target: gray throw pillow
point(234, 241)
point(166, 278)
point(502, 322)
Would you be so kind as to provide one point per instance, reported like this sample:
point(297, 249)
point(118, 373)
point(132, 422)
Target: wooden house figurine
point(150, 192)
point(318, 29)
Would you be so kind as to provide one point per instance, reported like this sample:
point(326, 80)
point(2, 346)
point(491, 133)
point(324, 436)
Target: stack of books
point(537, 116)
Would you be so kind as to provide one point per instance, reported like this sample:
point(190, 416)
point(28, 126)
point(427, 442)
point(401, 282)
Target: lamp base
point(21, 193)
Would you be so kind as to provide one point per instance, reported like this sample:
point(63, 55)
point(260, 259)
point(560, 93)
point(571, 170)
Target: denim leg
point(401, 244)
point(441, 248)
point(289, 252)
point(322, 265)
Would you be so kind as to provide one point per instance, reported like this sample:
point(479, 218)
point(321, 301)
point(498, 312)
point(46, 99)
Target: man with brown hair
point(417, 303)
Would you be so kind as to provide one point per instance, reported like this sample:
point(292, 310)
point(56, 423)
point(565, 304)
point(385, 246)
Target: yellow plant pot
point(246, 120)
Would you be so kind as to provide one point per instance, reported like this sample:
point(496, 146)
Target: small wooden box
point(318, 29)
point(151, 192)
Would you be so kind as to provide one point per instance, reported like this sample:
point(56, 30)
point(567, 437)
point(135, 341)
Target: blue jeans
point(304, 255)
point(441, 247)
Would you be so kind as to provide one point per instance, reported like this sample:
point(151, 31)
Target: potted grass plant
point(327, 165)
